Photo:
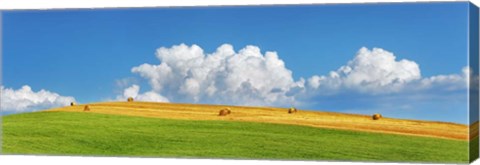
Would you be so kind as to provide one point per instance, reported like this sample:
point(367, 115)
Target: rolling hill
point(191, 130)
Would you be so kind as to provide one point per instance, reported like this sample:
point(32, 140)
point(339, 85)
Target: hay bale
point(224, 112)
point(72, 104)
point(292, 110)
point(130, 99)
point(376, 116)
point(86, 108)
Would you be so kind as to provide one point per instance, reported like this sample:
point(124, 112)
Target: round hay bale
point(72, 104)
point(130, 99)
point(224, 112)
point(86, 108)
point(292, 110)
point(376, 116)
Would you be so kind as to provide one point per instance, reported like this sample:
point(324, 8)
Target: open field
point(280, 116)
point(474, 141)
point(90, 133)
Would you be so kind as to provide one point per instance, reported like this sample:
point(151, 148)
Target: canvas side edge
point(473, 95)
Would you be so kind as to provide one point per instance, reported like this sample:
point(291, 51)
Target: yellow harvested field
point(280, 116)
point(474, 130)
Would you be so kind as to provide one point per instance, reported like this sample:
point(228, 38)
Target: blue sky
point(82, 53)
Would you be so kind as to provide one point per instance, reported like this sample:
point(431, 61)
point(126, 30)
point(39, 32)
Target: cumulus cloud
point(133, 91)
point(378, 71)
point(25, 100)
point(249, 77)
point(372, 71)
point(186, 73)
point(447, 82)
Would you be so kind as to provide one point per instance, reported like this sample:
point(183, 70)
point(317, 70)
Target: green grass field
point(75, 133)
point(474, 149)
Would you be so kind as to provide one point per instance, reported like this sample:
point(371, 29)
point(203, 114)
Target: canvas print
point(375, 82)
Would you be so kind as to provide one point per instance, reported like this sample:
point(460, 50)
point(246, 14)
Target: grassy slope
point(474, 149)
point(74, 133)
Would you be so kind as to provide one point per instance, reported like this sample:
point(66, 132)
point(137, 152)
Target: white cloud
point(151, 96)
point(125, 82)
point(378, 71)
point(133, 91)
point(371, 71)
point(447, 82)
point(248, 77)
point(314, 81)
point(24, 99)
